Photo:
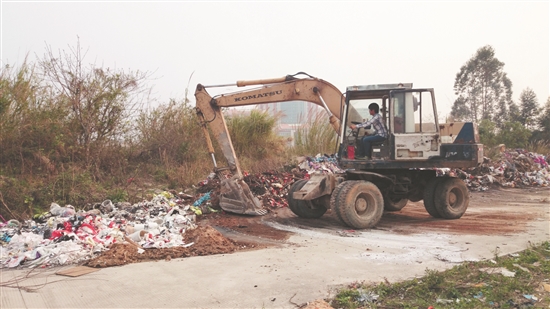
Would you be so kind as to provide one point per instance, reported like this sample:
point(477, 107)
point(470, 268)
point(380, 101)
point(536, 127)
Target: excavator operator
point(379, 135)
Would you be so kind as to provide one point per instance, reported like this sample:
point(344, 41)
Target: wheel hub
point(360, 205)
point(452, 198)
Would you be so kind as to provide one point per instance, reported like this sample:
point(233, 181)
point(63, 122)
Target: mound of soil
point(207, 241)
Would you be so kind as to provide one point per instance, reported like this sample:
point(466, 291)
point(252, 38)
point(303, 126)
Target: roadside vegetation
point(316, 137)
point(518, 280)
point(73, 132)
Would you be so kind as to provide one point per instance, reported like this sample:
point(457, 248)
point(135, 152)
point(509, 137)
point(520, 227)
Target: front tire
point(360, 203)
point(452, 198)
point(305, 209)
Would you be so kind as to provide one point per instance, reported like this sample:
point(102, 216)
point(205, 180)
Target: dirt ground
point(499, 211)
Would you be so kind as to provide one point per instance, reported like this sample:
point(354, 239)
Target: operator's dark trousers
point(365, 148)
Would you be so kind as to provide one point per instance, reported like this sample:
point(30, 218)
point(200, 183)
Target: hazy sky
point(343, 42)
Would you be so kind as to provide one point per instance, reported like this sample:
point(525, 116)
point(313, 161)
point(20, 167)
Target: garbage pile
point(203, 240)
point(271, 187)
point(65, 236)
point(320, 163)
point(514, 168)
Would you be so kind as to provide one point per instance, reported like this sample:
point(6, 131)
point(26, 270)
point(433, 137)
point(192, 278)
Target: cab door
point(413, 124)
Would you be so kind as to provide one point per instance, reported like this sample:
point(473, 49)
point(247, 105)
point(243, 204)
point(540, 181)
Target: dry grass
point(541, 147)
point(316, 136)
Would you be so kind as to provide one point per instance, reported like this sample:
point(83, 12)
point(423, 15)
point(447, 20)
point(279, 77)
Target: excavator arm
point(235, 194)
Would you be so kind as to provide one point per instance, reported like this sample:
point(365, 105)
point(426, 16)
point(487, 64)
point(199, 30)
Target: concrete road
point(311, 264)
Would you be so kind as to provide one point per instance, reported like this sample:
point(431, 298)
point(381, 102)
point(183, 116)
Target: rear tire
point(305, 209)
point(395, 204)
point(429, 192)
point(360, 203)
point(452, 198)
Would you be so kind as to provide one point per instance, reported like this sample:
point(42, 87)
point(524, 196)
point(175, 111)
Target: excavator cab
point(415, 128)
point(389, 98)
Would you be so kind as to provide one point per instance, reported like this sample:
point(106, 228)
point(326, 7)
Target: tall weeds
point(315, 136)
point(256, 143)
point(540, 147)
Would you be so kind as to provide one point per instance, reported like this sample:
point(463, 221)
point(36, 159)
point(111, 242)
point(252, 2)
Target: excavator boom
point(236, 196)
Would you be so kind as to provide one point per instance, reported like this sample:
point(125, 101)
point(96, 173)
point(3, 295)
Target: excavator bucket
point(237, 198)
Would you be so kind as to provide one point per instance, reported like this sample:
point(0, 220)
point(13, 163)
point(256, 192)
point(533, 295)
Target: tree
point(100, 101)
point(481, 85)
point(29, 120)
point(487, 132)
point(544, 123)
point(514, 135)
point(529, 109)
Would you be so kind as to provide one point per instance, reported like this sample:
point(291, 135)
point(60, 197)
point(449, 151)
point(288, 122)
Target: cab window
point(413, 112)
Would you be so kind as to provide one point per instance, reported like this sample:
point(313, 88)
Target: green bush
point(514, 135)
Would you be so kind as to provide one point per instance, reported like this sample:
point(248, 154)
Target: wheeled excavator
point(403, 168)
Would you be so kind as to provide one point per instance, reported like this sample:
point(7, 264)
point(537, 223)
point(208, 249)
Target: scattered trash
point(66, 211)
point(366, 297)
point(522, 268)
point(498, 270)
point(444, 301)
point(14, 224)
point(202, 199)
point(479, 296)
point(530, 297)
point(349, 233)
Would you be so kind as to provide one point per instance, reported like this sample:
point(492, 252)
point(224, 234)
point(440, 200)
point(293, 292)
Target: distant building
point(292, 116)
point(293, 112)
